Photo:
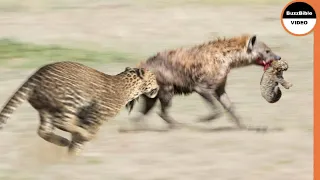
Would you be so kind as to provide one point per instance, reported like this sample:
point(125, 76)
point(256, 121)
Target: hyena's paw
point(258, 128)
point(209, 117)
point(176, 125)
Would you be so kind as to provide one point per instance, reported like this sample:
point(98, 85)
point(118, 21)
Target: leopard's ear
point(128, 69)
point(141, 72)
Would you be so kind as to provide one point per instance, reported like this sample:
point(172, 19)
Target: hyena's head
point(260, 53)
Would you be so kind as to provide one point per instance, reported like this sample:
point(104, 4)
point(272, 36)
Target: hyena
point(204, 69)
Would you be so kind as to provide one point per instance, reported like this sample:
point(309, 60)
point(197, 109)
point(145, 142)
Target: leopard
point(78, 99)
point(270, 80)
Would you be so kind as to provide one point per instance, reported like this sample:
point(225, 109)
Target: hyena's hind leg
point(46, 128)
point(139, 120)
point(149, 104)
point(145, 109)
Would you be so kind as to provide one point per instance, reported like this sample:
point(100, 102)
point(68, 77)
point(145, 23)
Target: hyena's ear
point(251, 43)
point(141, 72)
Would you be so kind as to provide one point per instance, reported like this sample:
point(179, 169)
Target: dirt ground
point(206, 151)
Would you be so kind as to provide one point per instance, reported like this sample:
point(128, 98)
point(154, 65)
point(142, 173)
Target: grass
point(94, 161)
point(27, 55)
point(285, 161)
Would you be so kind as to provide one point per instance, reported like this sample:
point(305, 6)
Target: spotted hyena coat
point(78, 99)
point(271, 78)
point(203, 69)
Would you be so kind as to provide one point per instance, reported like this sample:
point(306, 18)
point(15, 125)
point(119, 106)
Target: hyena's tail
point(16, 99)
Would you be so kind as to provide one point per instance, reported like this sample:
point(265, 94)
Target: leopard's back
point(69, 84)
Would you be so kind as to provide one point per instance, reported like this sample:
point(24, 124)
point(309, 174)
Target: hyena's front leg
point(223, 98)
point(227, 104)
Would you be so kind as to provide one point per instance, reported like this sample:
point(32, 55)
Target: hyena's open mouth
point(264, 63)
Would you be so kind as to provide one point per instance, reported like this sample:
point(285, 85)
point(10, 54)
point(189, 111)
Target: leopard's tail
point(21, 95)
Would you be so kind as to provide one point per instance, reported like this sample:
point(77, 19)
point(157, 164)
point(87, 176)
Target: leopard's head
point(142, 82)
point(280, 65)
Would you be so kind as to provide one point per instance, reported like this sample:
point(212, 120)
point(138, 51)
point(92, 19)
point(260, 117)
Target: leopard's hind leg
point(46, 128)
point(89, 121)
point(276, 95)
point(68, 121)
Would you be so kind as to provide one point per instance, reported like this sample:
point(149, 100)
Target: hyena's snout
point(276, 57)
point(271, 58)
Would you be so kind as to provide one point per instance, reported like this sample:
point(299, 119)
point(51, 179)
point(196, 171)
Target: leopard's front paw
point(288, 85)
